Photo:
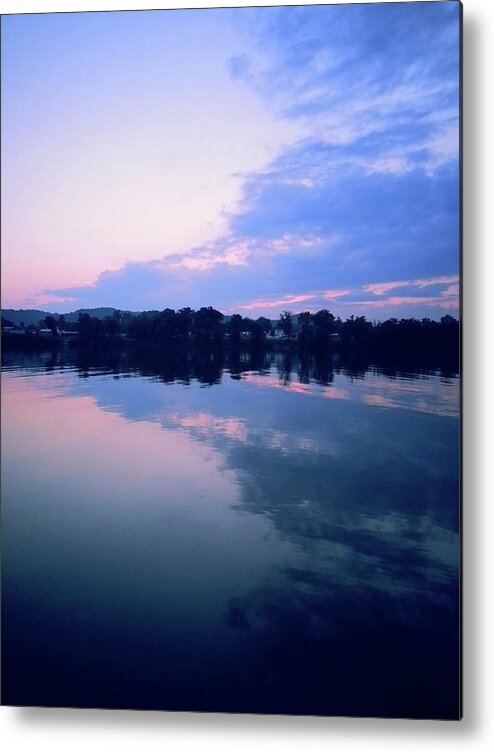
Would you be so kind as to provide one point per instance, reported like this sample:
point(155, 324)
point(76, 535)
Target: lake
point(251, 534)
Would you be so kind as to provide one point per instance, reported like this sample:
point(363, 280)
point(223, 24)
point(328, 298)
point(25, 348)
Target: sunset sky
point(253, 159)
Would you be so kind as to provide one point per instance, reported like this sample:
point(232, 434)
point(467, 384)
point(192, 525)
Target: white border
point(83, 730)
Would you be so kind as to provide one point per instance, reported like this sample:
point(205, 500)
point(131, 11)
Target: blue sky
point(252, 159)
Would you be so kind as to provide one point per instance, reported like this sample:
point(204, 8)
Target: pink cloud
point(381, 288)
point(240, 253)
point(288, 300)
point(330, 294)
point(288, 242)
point(294, 299)
point(233, 255)
point(444, 280)
point(396, 300)
point(451, 291)
point(45, 299)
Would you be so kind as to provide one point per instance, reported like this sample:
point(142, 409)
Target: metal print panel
point(230, 360)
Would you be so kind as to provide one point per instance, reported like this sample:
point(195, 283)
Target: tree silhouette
point(207, 324)
point(286, 323)
point(51, 324)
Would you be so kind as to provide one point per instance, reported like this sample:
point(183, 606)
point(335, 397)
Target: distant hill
point(97, 313)
point(26, 317)
point(33, 316)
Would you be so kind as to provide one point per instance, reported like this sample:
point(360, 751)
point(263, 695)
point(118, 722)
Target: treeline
point(393, 336)
point(205, 326)
point(320, 331)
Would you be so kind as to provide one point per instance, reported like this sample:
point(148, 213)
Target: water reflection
point(284, 541)
point(435, 391)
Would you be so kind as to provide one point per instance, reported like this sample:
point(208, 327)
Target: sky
point(252, 159)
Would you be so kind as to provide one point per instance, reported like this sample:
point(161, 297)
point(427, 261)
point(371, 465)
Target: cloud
point(365, 202)
point(404, 223)
point(287, 300)
point(169, 283)
point(351, 72)
point(203, 260)
point(346, 301)
point(396, 301)
point(333, 294)
point(345, 232)
point(380, 288)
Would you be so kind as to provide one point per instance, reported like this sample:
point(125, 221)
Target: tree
point(207, 324)
point(90, 329)
point(265, 324)
point(286, 323)
point(257, 331)
point(183, 322)
point(324, 323)
point(305, 328)
point(111, 326)
point(165, 325)
point(449, 321)
point(325, 320)
point(235, 328)
point(51, 324)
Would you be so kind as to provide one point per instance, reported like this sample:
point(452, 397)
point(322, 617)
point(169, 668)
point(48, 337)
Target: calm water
point(248, 536)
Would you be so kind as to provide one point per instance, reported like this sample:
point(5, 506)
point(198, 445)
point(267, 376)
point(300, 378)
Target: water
point(249, 535)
